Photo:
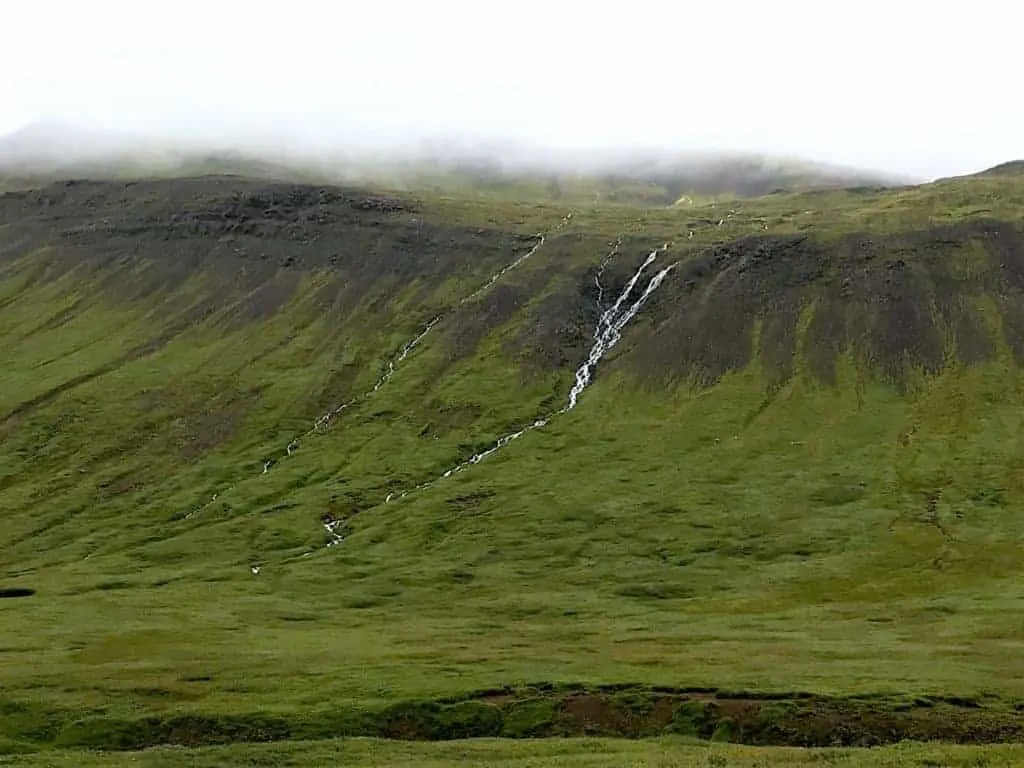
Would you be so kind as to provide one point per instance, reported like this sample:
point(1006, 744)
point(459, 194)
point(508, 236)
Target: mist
point(910, 90)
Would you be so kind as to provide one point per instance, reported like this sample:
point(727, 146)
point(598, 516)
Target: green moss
point(694, 718)
point(725, 730)
point(529, 718)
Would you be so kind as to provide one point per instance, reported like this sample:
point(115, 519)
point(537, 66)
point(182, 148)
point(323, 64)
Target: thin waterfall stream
point(607, 334)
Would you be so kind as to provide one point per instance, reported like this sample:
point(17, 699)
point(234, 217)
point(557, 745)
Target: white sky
point(926, 88)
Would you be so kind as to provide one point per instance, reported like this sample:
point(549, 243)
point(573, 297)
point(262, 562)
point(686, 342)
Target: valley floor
point(591, 753)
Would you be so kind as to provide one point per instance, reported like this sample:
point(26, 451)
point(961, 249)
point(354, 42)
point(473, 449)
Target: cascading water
point(500, 273)
point(606, 335)
point(612, 321)
point(600, 271)
point(474, 459)
point(332, 526)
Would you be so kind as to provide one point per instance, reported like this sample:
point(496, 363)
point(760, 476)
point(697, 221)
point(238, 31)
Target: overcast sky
point(926, 88)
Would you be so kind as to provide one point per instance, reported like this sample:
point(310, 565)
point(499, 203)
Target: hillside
point(228, 407)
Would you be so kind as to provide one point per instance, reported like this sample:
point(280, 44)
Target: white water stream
point(612, 321)
point(606, 335)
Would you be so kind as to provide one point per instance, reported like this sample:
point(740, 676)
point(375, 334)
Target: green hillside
point(799, 470)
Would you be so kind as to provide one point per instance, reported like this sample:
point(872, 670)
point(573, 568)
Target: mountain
point(284, 460)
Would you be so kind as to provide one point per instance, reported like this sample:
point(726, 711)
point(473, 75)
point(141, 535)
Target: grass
point(750, 532)
point(589, 753)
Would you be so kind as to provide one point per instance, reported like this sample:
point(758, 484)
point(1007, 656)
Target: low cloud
point(911, 90)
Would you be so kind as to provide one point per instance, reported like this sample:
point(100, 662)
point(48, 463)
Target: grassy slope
point(659, 533)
